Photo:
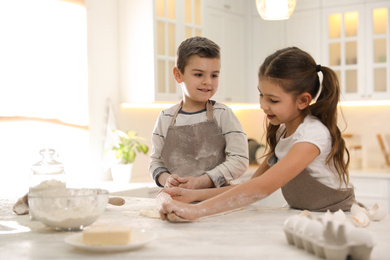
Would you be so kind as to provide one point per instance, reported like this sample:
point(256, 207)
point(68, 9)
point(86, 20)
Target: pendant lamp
point(275, 9)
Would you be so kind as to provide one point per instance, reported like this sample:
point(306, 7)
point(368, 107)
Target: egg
point(348, 226)
point(326, 217)
point(300, 225)
point(356, 209)
point(377, 213)
point(339, 216)
point(290, 222)
point(313, 230)
point(360, 219)
point(360, 236)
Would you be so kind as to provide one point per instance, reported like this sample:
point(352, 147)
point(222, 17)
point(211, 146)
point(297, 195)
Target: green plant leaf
point(127, 146)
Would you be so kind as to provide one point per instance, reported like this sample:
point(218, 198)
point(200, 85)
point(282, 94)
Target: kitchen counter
point(255, 232)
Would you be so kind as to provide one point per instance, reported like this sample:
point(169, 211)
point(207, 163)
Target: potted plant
point(127, 145)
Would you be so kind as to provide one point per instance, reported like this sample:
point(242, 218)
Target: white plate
point(139, 237)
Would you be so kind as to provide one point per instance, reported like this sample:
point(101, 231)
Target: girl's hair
point(197, 45)
point(296, 72)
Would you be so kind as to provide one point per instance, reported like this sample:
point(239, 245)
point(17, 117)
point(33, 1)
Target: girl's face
point(279, 106)
point(199, 80)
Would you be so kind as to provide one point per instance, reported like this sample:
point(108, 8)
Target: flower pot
point(121, 172)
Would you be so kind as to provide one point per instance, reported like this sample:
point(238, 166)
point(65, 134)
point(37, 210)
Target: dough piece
point(107, 235)
point(21, 206)
point(116, 201)
point(149, 213)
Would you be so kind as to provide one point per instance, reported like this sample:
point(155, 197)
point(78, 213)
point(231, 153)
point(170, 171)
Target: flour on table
point(149, 213)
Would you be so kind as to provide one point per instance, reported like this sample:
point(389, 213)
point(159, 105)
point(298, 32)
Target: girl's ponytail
point(325, 108)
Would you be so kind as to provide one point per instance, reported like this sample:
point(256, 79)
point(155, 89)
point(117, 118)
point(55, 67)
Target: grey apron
point(305, 192)
point(191, 150)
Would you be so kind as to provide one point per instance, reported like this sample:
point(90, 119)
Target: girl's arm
point(296, 160)
point(262, 168)
point(190, 195)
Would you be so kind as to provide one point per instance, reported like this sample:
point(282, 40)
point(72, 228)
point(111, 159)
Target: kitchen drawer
point(371, 188)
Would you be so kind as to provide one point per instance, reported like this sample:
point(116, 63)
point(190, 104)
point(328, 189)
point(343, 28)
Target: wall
point(103, 76)
point(363, 122)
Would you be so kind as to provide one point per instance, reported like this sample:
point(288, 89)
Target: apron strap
point(177, 112)
point(209, 111)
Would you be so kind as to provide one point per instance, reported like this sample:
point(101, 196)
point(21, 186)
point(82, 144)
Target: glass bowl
point(67, 209)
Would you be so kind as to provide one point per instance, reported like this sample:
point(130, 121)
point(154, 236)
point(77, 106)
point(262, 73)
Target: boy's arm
point(156, 165)
point(237, 158)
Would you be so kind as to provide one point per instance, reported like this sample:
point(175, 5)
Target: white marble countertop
point(255, 232)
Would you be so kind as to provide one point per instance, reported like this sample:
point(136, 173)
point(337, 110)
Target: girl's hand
point(180, 194)
point(180, 209)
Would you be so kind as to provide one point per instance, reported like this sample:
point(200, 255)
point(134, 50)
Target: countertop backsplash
point(363, 123)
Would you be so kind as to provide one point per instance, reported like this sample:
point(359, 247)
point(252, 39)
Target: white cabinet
point(225, 25)
point(174, 21)
point(378, 50)
point(302, 29)
point(371, 188)
point(265, 38)
point(356, 46)
point(231, 6)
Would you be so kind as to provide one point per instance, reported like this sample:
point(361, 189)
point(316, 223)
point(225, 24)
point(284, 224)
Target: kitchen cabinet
point(174, 22)
point(222, 21)
point(356, 46)
point(351, 36)
point(231, 6)
point(225, 23)
point(372, 187)
point(302, 29)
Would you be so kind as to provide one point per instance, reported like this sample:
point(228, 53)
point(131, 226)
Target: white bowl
point(67, 209)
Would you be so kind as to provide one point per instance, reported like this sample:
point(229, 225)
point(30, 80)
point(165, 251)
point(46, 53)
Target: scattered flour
point(67, 208)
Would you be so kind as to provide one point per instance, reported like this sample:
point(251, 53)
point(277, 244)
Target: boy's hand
point(180, 194)
point(174, 180)
point(201, 182)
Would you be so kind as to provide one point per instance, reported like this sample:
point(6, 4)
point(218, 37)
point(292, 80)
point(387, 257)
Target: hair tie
point(318, 68)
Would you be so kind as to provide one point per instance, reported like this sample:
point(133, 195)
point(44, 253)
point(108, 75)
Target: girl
point(307, 157)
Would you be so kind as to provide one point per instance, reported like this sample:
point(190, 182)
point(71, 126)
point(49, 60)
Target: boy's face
point(199, 80)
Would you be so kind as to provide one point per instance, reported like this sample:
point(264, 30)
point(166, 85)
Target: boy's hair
point(200, 46)
point(296, 72)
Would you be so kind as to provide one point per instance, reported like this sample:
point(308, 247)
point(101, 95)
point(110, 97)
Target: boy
point(198, 143)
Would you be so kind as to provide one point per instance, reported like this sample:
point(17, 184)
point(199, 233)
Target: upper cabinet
point(356, 46)
point(302, 29)
point(350, 36)
point(225, 23)
point(174, 21)
point(222, 21)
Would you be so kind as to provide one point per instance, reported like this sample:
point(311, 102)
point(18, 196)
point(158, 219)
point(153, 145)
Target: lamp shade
point(275, 9)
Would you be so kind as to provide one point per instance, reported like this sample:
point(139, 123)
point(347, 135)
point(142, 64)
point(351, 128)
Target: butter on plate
point(107, 235)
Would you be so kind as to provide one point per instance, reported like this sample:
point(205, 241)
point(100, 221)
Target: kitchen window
point(43, 85)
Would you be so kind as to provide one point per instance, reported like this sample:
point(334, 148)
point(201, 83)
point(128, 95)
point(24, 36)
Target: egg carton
point(328, 238)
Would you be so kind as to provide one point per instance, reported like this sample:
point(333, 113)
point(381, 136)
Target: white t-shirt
point(312, 130)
